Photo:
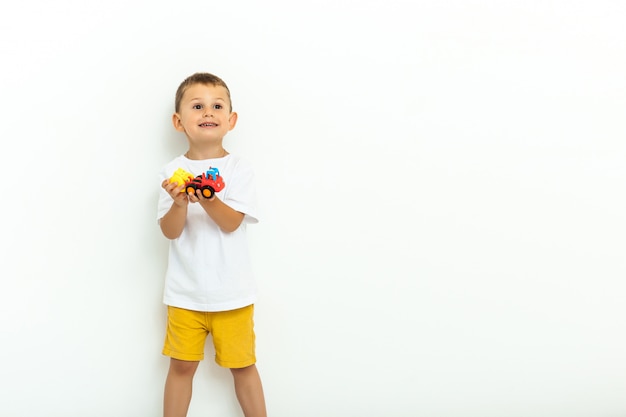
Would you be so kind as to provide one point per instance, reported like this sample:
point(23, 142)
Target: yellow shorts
point(233, 335)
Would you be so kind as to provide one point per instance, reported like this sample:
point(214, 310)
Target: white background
point(442, 186)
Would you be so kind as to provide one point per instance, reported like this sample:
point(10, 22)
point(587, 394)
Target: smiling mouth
point(208, 125)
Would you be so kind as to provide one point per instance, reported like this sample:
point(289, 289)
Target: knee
point(243, 373)
point(183, 368)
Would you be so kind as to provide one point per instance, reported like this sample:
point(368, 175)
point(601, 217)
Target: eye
point(197, 106)
point(217, 106)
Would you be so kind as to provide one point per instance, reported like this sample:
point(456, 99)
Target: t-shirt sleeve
point(165, 201)
point(241, 192)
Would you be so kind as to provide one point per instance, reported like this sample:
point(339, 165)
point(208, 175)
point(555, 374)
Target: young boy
point(209, 287)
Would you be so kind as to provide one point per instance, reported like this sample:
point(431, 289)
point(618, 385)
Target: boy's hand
point(199, 198)
point(174, 190)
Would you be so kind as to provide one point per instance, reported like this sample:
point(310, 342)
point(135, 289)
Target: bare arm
point(227, 218)
point(173, 222)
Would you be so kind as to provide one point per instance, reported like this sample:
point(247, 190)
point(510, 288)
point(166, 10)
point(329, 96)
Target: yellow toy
point(181, 177)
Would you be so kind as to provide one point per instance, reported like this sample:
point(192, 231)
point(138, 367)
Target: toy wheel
point(208, 192)
point(191, 190)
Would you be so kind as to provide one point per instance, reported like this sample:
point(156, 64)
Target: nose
point(208, 111)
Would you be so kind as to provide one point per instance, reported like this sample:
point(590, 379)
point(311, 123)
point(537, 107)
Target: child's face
point(204, 114)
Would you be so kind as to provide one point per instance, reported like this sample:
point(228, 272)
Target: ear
point(178, 124)
point(232, 121)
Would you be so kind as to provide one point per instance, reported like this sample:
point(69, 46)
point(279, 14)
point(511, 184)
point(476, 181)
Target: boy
point(209, 286)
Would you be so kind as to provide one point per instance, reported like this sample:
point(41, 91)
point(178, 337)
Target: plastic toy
point(209, 182)
point(181, 177)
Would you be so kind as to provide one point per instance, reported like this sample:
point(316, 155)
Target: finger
point(193, 198)
point(175, 186)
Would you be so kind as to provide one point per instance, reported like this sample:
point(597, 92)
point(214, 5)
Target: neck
point(206, 154)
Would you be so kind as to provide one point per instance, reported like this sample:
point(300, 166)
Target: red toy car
point(209, 183)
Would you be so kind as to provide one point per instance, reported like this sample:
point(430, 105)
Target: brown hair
point(200, 78)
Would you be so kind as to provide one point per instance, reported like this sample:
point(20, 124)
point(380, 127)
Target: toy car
point(209, 182)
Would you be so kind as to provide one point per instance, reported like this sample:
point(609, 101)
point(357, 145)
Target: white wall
point(442, 186)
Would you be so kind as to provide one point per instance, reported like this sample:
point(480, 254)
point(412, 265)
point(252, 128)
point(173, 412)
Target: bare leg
point(178, 387)
point(249, 391)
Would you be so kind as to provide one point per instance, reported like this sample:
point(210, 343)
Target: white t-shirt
point(208, 269)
